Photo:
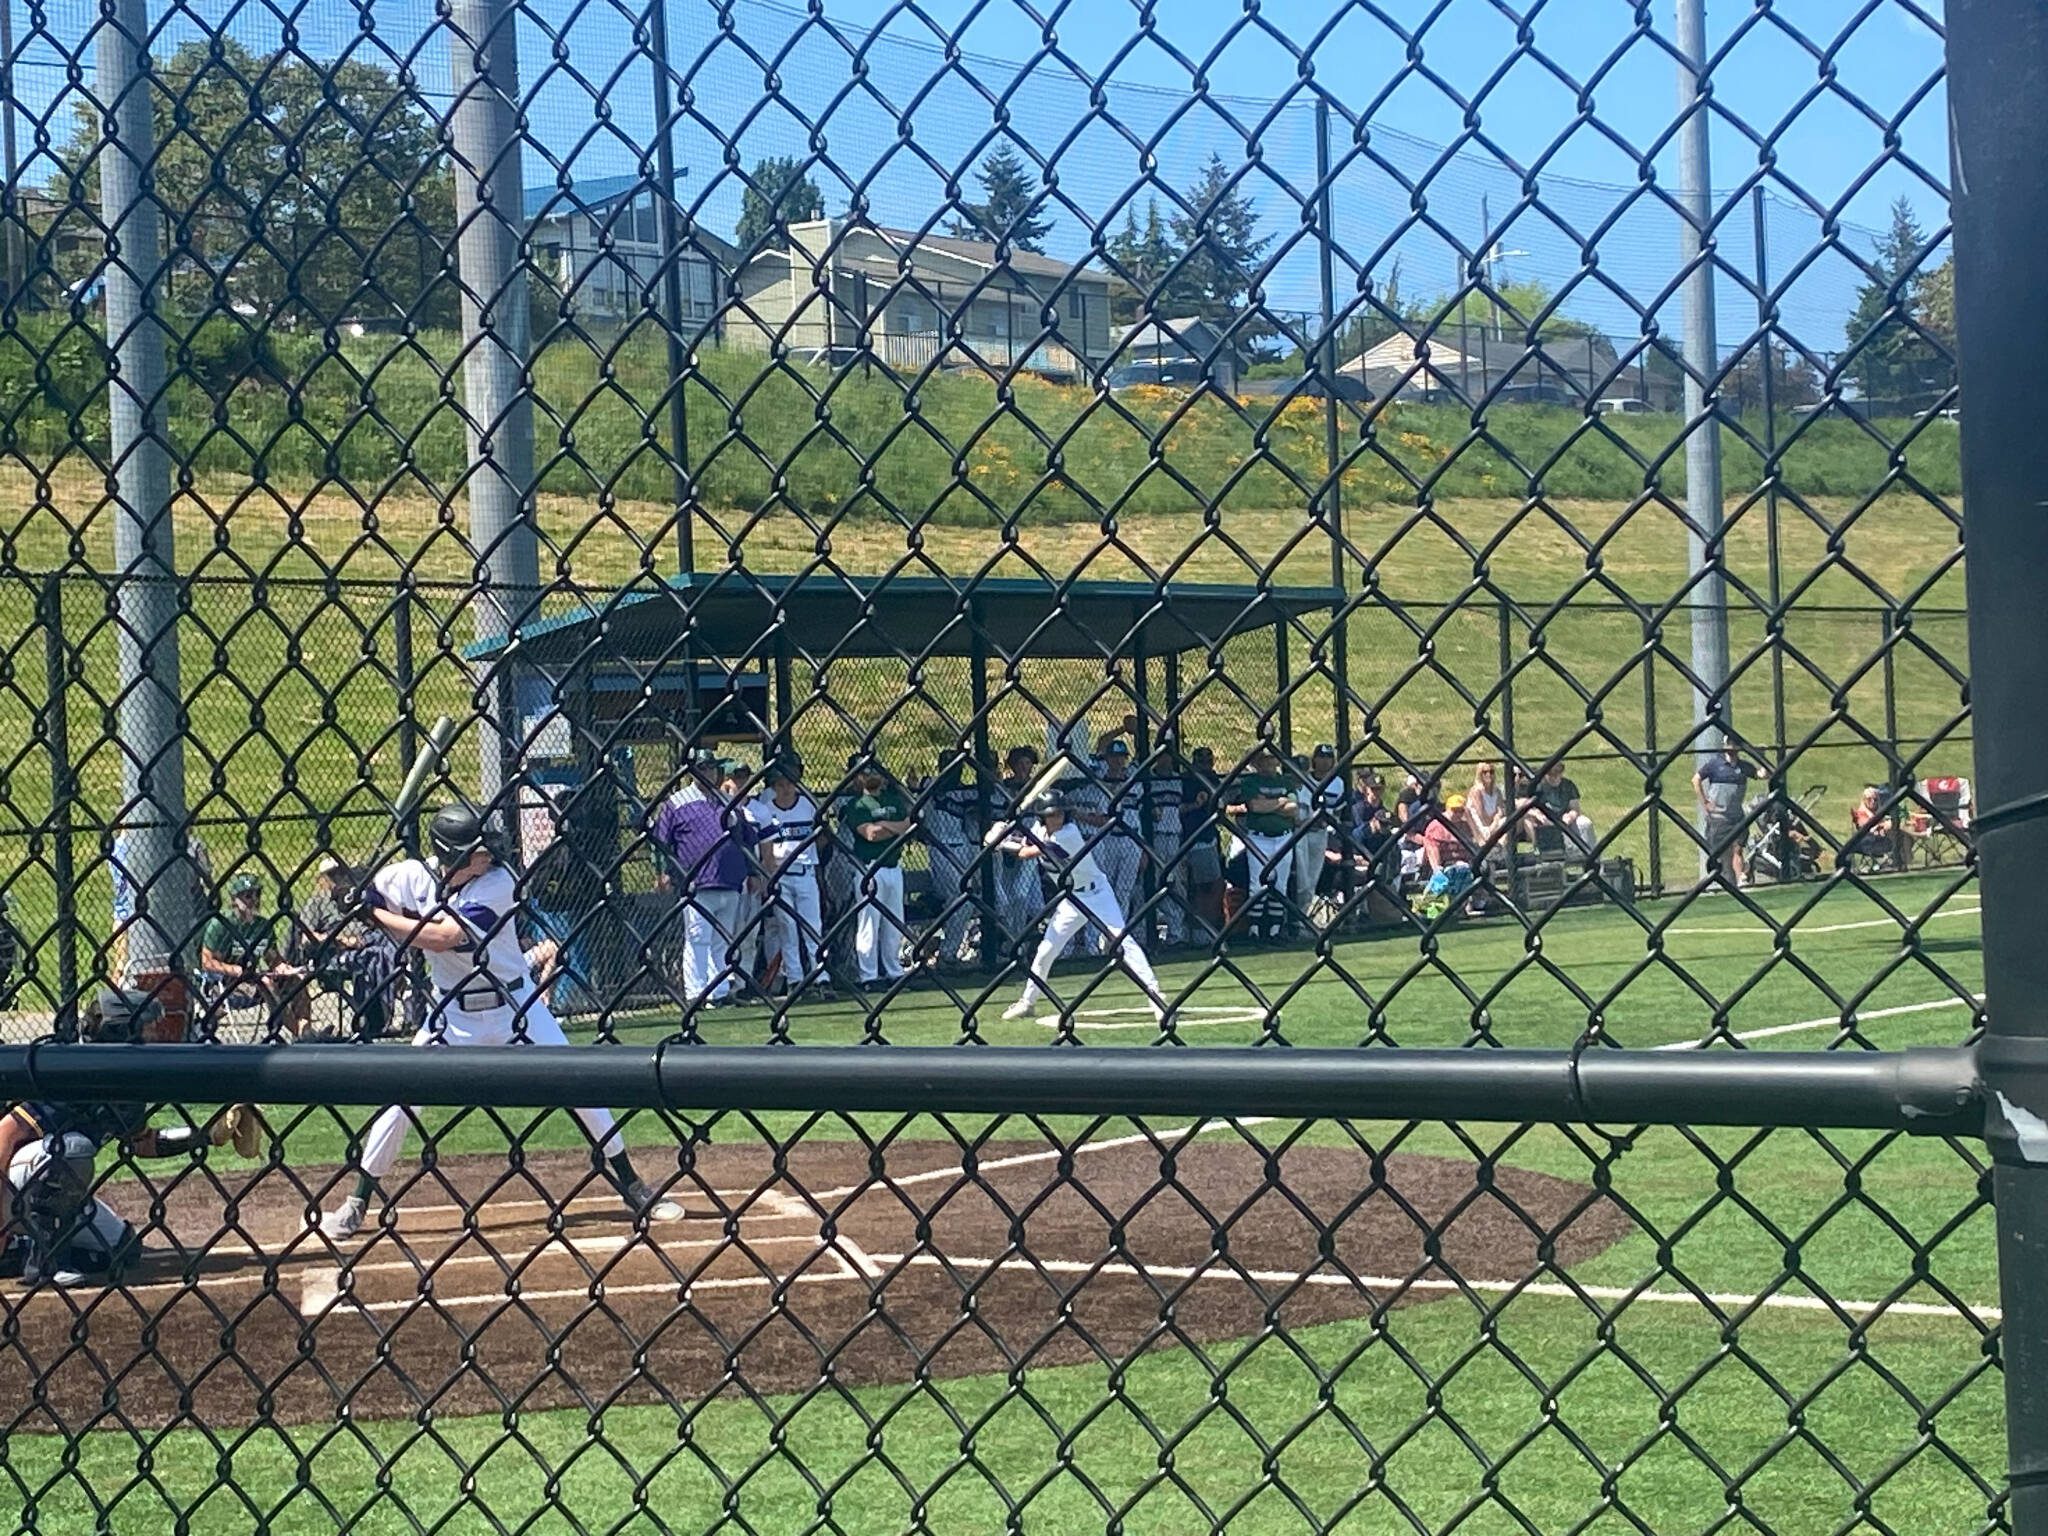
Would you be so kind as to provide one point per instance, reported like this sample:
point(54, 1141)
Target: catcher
point(57, 1230)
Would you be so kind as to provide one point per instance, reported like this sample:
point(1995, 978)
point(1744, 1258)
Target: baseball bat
point(421, 774)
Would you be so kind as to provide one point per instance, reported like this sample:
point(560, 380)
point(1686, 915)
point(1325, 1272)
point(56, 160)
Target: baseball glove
point(241, 1124)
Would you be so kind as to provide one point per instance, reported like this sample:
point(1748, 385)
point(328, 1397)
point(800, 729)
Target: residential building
point(599, 242)
point(842, 289)
point(1562, 370)
point(1159, 345)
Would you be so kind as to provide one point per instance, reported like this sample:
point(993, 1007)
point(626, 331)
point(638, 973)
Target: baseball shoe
point(643, 1204)
point(343, 1222)
point(1023, 1008)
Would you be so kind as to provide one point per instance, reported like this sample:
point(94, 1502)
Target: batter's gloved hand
point(241, 1124)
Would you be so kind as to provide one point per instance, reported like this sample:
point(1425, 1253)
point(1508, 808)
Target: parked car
point(1184, 372)
point(1309, 387)
point(1621, 405)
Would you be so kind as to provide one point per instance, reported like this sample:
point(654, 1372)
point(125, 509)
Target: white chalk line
point(1825, 1021)
point(1766, 929)
point(1379, 1286)
point(1141, 1018)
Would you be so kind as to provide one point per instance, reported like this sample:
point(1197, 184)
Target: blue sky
point(1794, 71)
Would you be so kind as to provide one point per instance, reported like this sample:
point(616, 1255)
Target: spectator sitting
point(1486, 813)
point(1872, 834)
point(1555, 803)
point(1447, 857)
point(343, 953)
point(1415, 812)
point(238, 952)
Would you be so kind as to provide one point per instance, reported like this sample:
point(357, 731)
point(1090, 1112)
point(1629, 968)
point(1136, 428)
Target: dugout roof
point(825, 614)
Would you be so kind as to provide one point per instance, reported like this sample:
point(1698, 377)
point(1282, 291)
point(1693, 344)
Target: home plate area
point(486, 1290)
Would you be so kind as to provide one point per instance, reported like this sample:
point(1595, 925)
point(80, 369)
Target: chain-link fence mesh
point(1292, 499)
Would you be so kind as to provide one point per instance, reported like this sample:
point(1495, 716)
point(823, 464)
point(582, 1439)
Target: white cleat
point(644, 1205)
point(343, 1222)
point(1023, 1008)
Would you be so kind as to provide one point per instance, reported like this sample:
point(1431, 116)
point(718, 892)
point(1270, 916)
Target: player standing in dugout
point(460, 912)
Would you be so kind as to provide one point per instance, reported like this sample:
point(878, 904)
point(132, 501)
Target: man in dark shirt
point(1722, 783)
point(240, 956)
point(1264, 809)
point(1556, 800)
point(878, 822)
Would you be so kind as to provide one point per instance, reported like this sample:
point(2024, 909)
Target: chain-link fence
point(733, 527)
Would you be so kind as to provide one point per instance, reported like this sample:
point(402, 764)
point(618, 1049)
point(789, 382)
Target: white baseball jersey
point(487, 973)
point(790, 835)
point(1066, 857)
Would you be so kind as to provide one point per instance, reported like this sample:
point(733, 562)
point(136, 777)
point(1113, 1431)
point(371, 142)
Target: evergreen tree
point(1143, 257)
point(1008, 211)
point(1221, 236)
point(1894, 363)
point(780, 195)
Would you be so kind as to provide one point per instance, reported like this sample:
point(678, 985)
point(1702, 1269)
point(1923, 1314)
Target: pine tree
point(1894, 362)
point(1143, 257)
point(1220, 235)
point(779, 195)
point(1008, 211)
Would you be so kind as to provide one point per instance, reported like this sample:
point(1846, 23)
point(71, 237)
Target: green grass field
point(1482, 1412)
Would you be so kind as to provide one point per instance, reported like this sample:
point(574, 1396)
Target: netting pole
point(1774, 576)
point(497, 337)
point(145, 547)
point(672, 284)
point(1998, 99)
point(1707, 592)
point(1507, 729)
point(10, 160)
point(1894, 770)
point(1652, 779)
point(1333, 486)
point(56, 726)
point(405, 683)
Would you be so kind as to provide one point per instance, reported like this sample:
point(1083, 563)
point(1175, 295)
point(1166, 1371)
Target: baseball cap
point(1118, 748)
point(245, 885)
point(1324, 749)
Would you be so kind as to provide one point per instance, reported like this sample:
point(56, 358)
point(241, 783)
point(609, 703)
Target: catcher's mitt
point(241, 1124)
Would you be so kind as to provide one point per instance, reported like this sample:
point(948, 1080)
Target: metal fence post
point(497, 333)
point(146, 584)
point(1774, 576)
point(405, 679)
point(1508, 775)
point(672, 283)
point(1998, 99)
point(1651, 639)
point(1707, 594)
point(1333, 487)
point(56, 726)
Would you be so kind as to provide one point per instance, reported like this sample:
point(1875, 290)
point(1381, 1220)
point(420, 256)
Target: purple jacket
point(707, 840)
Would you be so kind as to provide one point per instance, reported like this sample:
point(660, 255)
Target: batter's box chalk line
point(1141, 1017)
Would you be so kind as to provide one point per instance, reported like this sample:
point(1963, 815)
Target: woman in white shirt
point(1486, 811)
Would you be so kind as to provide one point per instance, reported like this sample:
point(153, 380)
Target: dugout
point(614, 694)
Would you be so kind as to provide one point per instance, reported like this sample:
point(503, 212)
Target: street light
point(1489, 261)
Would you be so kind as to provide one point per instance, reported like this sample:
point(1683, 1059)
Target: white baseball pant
point(532, 1023)
point(799, 924)
point(1092, 907)
point(878, 931)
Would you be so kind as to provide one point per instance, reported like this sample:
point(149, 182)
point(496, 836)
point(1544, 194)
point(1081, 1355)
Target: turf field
point(1793, 1324)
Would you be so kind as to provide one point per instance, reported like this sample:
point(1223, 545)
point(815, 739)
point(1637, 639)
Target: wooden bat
point(421, 774)
point(1062, 766)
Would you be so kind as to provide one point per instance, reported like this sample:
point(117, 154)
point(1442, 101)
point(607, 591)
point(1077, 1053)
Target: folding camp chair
point(1941, 831)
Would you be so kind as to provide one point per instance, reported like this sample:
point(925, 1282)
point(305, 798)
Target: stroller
point(1781, 846)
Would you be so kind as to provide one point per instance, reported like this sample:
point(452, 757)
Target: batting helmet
point(455, 833)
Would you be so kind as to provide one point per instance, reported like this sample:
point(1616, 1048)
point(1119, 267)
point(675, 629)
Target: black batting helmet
point(455, 833)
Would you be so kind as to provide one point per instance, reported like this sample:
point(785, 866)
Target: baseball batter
point(1085, 899)
point(459, 912)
